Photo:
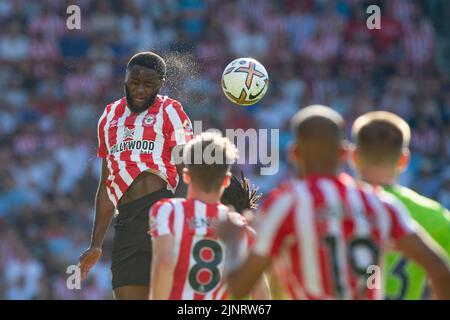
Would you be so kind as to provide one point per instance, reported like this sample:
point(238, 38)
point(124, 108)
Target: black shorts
point(131, 252)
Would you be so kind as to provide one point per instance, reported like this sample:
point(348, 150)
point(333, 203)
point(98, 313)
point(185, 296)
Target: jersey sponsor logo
point(149, 120)
point(113, 124)
point(144, 146)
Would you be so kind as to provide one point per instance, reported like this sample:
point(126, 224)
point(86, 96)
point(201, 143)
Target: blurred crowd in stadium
point(56, 82)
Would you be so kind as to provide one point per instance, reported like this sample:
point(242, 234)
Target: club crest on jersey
point(149, 120)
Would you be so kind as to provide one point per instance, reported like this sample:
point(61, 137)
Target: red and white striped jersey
point(133, 143)
point(200, 256)
point(330, 233)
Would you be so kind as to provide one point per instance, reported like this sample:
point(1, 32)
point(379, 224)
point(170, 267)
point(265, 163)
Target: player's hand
point(88, 259)
point(232, 228)
point(237, 219)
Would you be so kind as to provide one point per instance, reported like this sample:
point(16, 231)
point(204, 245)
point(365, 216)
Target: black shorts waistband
point(145, 201)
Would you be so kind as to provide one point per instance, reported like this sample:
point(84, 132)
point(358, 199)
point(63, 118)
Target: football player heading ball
point(136, 135)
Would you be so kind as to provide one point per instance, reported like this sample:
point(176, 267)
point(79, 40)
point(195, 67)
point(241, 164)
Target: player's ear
point(403, 161)
point(127, 75)
point(349, 154)
point(292, 153)
point(227, 180)
point(163, 80)
point(345, 150)
point(352, 155)
point(186, 176)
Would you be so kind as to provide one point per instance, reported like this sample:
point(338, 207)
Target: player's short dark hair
point(320, 131)
point(208, 157)
point(318, 122)
point(149, 60)
point(240, 194)
point(380, 137)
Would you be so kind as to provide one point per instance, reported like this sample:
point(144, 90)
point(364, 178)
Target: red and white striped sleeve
point(102, 151)
point(402, 223)
point(178, 126)
point(274, 223)
point(161, 219)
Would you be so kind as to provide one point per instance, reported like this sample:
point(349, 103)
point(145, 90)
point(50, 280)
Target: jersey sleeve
point(102, 151)
point(402, 223)
point(444, 236)
point(178, 126)
point(274, 224)
point(161, 219)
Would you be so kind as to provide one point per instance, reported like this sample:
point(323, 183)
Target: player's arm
point(178, 131)
point(271, 232)
point(181, 191)
point(242, 280)
point(163, 260)
point(104, 210)
point(163, 265)
point(445, 242)
point(421, 248)
point(415, 243)
point(277, 290)
point(241, 277)
point(261, 290)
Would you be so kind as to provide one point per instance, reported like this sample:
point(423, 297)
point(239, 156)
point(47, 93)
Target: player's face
point(141, 87)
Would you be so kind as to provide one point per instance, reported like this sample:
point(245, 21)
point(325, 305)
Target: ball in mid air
point(245, 81)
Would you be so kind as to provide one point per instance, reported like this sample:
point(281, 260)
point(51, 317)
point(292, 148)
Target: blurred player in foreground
point(330, 229)
point(137, 136)
point(381, 154)
point(241, 197)
point(188, 257)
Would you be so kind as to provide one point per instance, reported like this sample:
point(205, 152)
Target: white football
point(245, 81)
